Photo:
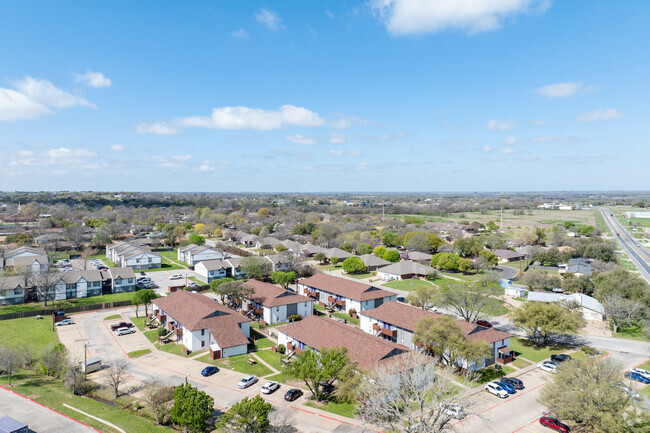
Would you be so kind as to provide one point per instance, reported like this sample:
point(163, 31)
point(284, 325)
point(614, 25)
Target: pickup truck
point(121, 325)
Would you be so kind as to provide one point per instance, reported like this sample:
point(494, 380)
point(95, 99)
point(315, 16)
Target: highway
point(637, 253)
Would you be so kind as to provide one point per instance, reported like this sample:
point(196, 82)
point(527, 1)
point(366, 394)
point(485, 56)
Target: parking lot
point(162, 278)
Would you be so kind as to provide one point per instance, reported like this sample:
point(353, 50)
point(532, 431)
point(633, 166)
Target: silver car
point(247, 381)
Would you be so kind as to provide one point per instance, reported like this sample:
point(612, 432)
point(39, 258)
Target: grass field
point(489, 374)
point(176, 349)
point(362, 276)
point(114, 316)
point(273, 358)
point(527, 349)
point(29, 330)
point(343, 409)
point(407, 285)
point(261, 341)
point(138, 353)
point(151, 335)
point(238, 363)
point(51, 393)
point(520, 363)
point(104, 259)
point(116, 297)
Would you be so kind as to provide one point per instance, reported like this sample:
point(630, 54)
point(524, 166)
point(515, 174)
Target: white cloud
point(330, 14)
point(240, 34)
point(563, 90)
point(363, 165)
point(173, 162)
point(600, 114)
point(336, 152)
point(539, 123)
point(507, 150)
point(499, 125)
point(117, 148)
point(355, 153)
point(158, 128)
point(551, 139)
point(345, 122)
point(270, 19)
point(93, 79)
point(207, 166)
point(337, 138)
point(253, 118)
point(64, 152)
point(302, 139)
point(428, 16)
point(32, 98)
point(510, 140)
point(486, 149)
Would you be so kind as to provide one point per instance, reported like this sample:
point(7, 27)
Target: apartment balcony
point(376, 327)
point(392, 333)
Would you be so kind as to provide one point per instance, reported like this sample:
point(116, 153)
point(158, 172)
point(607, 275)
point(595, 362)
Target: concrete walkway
point(264, 363)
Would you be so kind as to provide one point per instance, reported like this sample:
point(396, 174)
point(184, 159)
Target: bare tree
point(9, 361)
point(411, 394)
point(74, 377)
point(159, 397)
point(45, 285)
point(84, 258)
point(54, 359)
point(116, 374)
point(27, 355)
point(621, 310)
point(76, 235)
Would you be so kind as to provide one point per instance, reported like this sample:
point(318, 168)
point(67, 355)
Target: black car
point(292, 394)
point(518, 384)
point(560, 358)
point(401, 299)
point(143, 273)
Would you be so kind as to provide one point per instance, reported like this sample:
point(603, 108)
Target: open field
point(407, 285)
point(527, 349)
point(31, 331)
point(115, 297)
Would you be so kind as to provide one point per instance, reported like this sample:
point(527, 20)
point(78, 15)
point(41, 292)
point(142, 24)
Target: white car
point(176, 277)
point(124, 331)
point(247, 381)
point(642, 372)
point(193, 284)
point(65, 322)
point(452, 410)
point(269, 387)
point(495, 389)
point(549, 366)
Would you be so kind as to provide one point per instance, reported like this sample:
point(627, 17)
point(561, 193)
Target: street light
point(188, 375)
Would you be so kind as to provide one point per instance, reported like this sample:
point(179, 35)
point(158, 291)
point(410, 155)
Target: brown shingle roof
point(272, 296)
point(195, 312)
point(407, 317)
point(366, 350)
point(344, 287)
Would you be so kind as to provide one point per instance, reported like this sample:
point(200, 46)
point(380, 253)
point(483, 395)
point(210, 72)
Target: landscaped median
point(238, 363)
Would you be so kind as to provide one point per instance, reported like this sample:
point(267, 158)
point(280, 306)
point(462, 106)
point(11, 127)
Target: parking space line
point(530, 423)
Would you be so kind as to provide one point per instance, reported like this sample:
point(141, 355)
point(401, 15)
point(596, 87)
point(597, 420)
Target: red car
point(484, 323)
point(554, 424)
point(121, 325)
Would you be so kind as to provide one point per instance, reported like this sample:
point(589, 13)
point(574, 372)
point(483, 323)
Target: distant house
point(373, 262)
point(210, 270)
point(24, 252)
point(578, 267)
point(419, 257)
point(12, 290)
point(125, 254)
point(73, 284)
point(591, 308)
point(396, 322)
point(199, 322)
point(279, 262)
point(317, 333)
point(404, 270)
point(338, 253)
point(505, 256)
point(36, 264)
point(249, 240)
point(274, 304)
point(194, 254)
point(344, 294)
point(122, 280)
point(309, 250)
point(267, 242)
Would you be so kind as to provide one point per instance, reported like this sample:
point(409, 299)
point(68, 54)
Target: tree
point(9, 361)
point(74, 378)
point(540, 236)
point(196, 239)
point(116, 374)
point(625, 283)
point(390, 239)
point(192, 408)
point(256, 267)
point(316, 368)
point(465, 265)
point(524, 236)
point(490, 257)
point(418, 242)
point(379, 251)
point(543, 320)
point(334, 260)
point(587, 393)
point(410, 394)
point(250, 415)
point(424, 297)
point(392, 256)
point(539, 281)
point(445, 261)
point(577, 284)
point(215, 286)
point(158, 396)
point(283, 278)
point(354, 265)
point(444, 338)
point(320, 258)
point(143, 297)
point(233, 292)
point(468, 247)
point(327, 232)
point(53, 360)
point(76, 235)
point(45, 283)
point(469, 298)
point(621, 311)
point(363, 249)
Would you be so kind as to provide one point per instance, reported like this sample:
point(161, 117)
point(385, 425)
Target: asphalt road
point(631, 247)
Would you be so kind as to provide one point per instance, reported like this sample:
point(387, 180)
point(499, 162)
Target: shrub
point(162, 332)
point(588, 350)
point(294, 318)
point(281, 349)
point(352, 311)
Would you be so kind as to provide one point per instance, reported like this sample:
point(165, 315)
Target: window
point(149, 260)
point(17, 292)
point(203, 344)
point(137, 260)
point(202, 331)
point(130, 280)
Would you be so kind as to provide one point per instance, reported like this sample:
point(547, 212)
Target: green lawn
point(489, 374)
point(330, 267)
point(172, 255)
point(51, 393)
point(138, 353)
point(407, 285)
point(29, 330)
point(362, 276)
point(166, 265)
point(116, 297)
point(258, 325)
point(280, 377)
point(343, 409)
point(272, 358)
point(646, 391)
point(140, 322)
point(319, 307)
point(104, 259)
point(151, 335)
point(347, 317)
point(520, 363)
point(113, 317)
point(261, 341)
point(196, 280)
point(631, 333)
point(238, 363)
point(176, 349)
point(527, 349)
point(645, 366)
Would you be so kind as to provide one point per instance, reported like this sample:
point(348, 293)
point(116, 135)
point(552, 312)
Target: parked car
point(484, 323)
point(554, 424)
point(629, 391)
point(102, 268)
point(269, 387)
point(401, 299)
point(65, 322)
point(642, 372)
point(293, 394)
point(495, 389)
point(637, 377)
point(117, 326)
point(247, 381)
point(124, 331)
point(560, 358)
point(209, 371)
point(509, 388)
point(518, 384)
point(549, 366)
point(452, 410)
point(176, 277)
point(193, 284)
point(143, 273)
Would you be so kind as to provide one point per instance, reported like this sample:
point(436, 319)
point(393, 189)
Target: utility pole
point(85, 360)
point(501, 217)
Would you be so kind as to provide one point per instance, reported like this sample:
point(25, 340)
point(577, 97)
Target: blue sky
point(378, 95)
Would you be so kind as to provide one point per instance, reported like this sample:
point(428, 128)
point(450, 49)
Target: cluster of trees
point(544, 321)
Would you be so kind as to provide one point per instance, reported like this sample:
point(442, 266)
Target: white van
point(91, 365)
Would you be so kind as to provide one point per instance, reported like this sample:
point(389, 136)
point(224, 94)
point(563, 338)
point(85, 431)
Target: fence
point(68, 310)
